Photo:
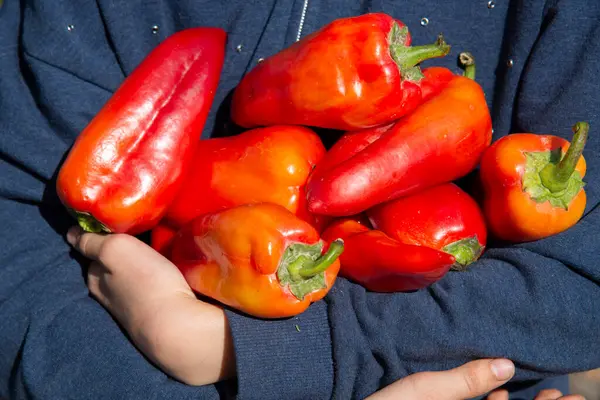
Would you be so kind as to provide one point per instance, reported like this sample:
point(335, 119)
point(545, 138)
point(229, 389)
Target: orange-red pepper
point(260, 165)
point(354, 73)
point(442, 140)
point(126, 166)
point(258, 258)
point(269, 165)
point(533, 184)
point(383, 264)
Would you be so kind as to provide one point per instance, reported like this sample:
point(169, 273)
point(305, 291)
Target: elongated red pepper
point(126, 166)
point(354, 142)
point(350, 144)
point(258, 258)
point(261, 165)
point(443, 217)
point(533, 184)
point(354, 73)
point(440, 141)
point(382, 264)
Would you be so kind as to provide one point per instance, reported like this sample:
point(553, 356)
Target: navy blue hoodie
point(536, 303)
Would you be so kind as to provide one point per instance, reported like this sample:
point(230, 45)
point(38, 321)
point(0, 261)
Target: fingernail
point(503, 369)
point(72, 235)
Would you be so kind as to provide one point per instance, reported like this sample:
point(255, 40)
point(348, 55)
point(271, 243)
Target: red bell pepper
point(258, 258)
point(261, 165)
point(440, 141)
point(354, 73)
point(443, 217)
point(126, 166)
point(533, 184)
point(383, 264)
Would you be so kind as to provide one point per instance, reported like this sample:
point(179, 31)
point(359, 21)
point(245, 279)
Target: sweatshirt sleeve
point(535, 303)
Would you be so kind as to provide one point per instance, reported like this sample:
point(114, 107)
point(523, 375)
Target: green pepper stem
point(322, 263)
point(408, 57)
point(467, 61)
point(555, 177)
point(465, 252)
point(90, 224)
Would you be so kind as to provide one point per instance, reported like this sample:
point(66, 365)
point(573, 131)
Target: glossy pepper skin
point(383, 264)
point(268, 165)
point(354, 142)
point(350, 144)
point(533, 184)
point(354, 73)
point(126, 166)
point(442, 140)
point(258, 258)
point(436, 78)
point(443, 217)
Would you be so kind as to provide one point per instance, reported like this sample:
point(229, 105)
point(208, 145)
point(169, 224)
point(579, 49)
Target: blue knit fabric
point(536, 303)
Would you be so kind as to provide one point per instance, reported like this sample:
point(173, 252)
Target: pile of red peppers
point(266, 220)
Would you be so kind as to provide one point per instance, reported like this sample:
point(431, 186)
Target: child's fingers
point(500, 394)
point(555, 394)
point(127, 276)
point(128, 260)
point(474, 378)
point(549, 394)
point(467, 381)
point(111, 249)
point(94, 282)
point(88, 244)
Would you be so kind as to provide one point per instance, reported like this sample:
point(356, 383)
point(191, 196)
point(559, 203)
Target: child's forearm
point(203, 354)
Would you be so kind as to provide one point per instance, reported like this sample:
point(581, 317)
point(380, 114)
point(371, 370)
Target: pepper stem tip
point(467, 61)
point(465, 252)
point(555, 177)
point(324, 262)
point(90, 224)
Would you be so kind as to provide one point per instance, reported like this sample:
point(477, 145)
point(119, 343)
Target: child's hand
point(470, 380)
point(546, 394)
point(187, 338)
